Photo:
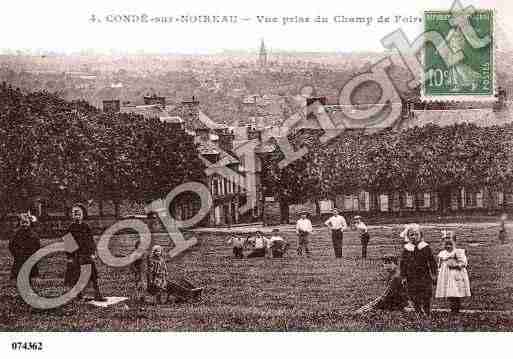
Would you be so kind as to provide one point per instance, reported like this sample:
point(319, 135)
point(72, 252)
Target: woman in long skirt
point(23, 245)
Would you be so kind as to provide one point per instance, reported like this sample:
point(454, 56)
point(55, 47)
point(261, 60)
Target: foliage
point(63, 151)
point(429, 158)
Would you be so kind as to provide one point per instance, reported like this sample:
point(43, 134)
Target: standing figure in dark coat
point(418, 266)
point(23, 245)
point(85, 254)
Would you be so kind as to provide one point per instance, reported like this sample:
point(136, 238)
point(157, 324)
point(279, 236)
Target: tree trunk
point(116, 208)
point(374, 205)
point(284, 212)
point(100, 208)
point(443, 200)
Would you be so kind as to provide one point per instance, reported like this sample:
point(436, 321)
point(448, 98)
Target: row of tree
point(430, 159)
point(68, 151)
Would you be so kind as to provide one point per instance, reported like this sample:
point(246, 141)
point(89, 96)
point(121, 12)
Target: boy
point(277, 245)
point(238, 243)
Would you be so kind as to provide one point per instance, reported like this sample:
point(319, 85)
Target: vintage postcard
point(240, 167)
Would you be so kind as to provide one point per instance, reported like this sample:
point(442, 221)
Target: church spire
point(262, 57)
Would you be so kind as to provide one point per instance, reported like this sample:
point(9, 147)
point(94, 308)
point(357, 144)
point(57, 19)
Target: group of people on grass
point(153, 267)
point(159, 283)
point(413, 278)
point(275, 246)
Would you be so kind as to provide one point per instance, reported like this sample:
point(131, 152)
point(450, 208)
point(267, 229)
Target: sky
point(64, 26)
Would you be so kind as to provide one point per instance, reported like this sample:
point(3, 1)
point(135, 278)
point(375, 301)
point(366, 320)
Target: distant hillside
point(221, 82)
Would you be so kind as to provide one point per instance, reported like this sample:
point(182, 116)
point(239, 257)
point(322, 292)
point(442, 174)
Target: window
point(383, 203)
point(479, 199)
point(408, 200)
point(326, 205)
point(363, 201)
point(427, 200)
point(470, 199)
point(500, 198)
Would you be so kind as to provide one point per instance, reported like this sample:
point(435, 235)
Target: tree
point(70, 151)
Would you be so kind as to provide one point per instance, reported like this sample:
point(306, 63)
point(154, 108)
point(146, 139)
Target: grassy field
point(292, 294)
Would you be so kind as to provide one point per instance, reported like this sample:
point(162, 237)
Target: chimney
point(226, 138)
point(254, 134)
point(111, 106)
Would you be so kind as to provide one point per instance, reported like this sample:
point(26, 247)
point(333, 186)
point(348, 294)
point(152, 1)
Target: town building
point(413, 112)
point(216, 148)
point(262, 55)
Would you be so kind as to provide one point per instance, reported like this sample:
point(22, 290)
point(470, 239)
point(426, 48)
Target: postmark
point(470, 36)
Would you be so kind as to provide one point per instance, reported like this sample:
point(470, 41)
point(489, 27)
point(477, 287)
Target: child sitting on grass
point(237, 242)
point(395, 296)
point(159, 285)
point(277, 244)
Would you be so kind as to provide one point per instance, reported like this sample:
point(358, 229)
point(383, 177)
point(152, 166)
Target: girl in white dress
point(453, 282)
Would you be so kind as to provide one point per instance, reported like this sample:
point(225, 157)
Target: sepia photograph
point(312, 168)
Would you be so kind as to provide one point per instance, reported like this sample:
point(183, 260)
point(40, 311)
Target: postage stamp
point(471, 77)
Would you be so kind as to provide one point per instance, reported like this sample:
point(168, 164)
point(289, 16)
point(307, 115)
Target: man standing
point(85, 254)
point(303, 230)
point(419, 267)
point(337, 224)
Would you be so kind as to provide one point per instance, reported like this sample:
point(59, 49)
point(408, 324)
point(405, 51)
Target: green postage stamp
point(469, 76)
